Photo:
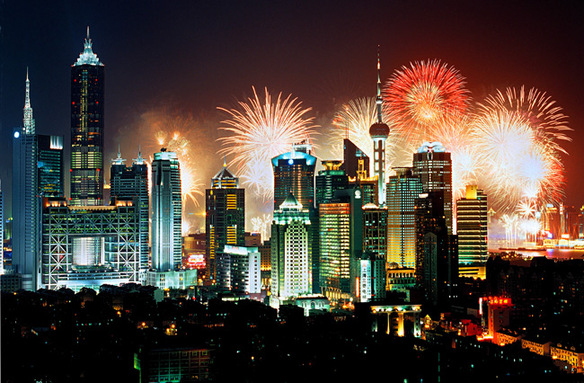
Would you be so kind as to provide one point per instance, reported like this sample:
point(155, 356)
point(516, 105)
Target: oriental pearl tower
point(379, 132)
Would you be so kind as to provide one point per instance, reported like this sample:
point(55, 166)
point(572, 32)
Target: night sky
point(180, 60)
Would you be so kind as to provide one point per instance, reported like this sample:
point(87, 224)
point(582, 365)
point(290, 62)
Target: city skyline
point(125, 109)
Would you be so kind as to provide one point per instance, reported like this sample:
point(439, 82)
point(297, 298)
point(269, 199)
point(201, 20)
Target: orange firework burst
point(418, 97)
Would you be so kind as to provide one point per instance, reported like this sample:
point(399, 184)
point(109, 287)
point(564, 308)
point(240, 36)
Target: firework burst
point(518, 137)
point(261, 129)
point(417, 98)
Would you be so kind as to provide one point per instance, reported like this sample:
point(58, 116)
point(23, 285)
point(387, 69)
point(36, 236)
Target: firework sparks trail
point(260, 130)
point(261, 225)
point(517, 135)
point(418, 98)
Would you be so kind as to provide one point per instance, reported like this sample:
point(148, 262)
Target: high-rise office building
point(69, 234)
point(433, 165)
point(166, 212)
point(294, 173)
point(341, 243)
point(379, 132)
point(355, 161)
point(436, 251)
point(291, 251)
point(25, 199)
point(87, 128)
point(132, 183)
point(375, 231)
point(224, 218)
point(471, 216)
point(50, 166)
point(370, 285)
point(402, 191)
point(329, 180)
point(241, 273)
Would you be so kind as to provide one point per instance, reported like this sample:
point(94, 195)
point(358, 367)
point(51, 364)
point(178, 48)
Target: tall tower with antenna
point(87, 128)
point(379, 132)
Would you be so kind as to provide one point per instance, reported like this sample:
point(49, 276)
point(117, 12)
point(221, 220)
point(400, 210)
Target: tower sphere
point(379, 130)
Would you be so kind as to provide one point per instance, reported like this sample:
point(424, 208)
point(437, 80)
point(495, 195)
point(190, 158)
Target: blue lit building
point(166, 212)
point(294, 173)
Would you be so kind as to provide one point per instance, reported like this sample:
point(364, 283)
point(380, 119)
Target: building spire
point(88, 57)
point(139, 160)
point(378, 99)
point(28, 120)
point(119, 160)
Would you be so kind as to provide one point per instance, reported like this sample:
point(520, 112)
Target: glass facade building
point(166, 212)
point(402, 191)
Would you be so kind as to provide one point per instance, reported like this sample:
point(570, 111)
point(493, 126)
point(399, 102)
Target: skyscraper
point(329, 180)
point(294, 173)
point(471, 216)
point(355, 161)
point(436, 250)
point(375, 231)
point(433, 165)
point(50, 166)
point(379, 133)
point(341, 243)
point(87, 128)
point(224, 218)
point(132, 183)
point(291, 251)
point(402, 191)
point(166, 212)
point(25, 199)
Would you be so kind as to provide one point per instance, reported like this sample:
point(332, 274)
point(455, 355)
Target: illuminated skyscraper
point(433, 165)
point(402, 191)
point(132, 183)
point(329, 180)
point(379, 132)
point(25, 199)
point(166, 212)
point(291, 251)
point(50, 166)
point(87, 128)
point(471, 216)
point(355, 161)
point(375, 231)
point(294, 173)
point(224, 218)
point(341, 242)
point(436, 251)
